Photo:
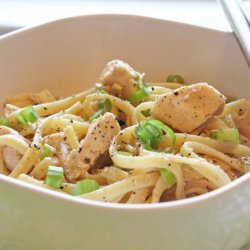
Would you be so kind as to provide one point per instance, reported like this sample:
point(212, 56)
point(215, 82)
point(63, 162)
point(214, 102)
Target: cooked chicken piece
point(189, 107)
point(119, 79)
point(11, 157)
point(93, 149)
point(243, 124)
point(241, 118)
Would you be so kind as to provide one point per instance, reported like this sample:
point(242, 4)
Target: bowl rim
point(198, 200)
point(185, 203)
point(24, 30)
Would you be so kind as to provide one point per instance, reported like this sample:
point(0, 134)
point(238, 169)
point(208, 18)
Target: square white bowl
point(67, 56)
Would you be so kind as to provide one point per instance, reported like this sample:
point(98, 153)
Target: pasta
point(125, 140)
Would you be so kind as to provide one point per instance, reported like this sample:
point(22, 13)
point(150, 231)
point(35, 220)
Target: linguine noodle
point(98, 135)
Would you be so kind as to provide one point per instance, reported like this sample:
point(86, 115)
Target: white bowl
point(67, 56)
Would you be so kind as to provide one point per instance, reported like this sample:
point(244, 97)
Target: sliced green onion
point(227, 135)
point(168, 177)
point(149, 132)
point(4, 122)
point(96, 115)
point(105, 104)
point(46, 151)
point(27, 115)
point(101, 91)
point(175, 79)
point(124, 153)
point(230, 99)
point(103, 107)
point(141, 93)
point(146, 113)
point(54, 176)
point(21, 119)
point(85, 186)
point(138, 96)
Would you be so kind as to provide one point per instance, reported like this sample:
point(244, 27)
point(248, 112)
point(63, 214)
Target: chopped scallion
point(101, 91)
point(149, 132)
point(96, 115)
point(230, 99)
point(103, 107)
point(141, 93)
point(4, 122)
point(46, 151)
point(54, 176)
point(175, 79)
point(168, 177)
point(146, 113)
point(27, 115)
point(227, 135)
point(85, 186)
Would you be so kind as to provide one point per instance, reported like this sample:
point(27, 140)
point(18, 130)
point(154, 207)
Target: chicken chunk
point(11, 157)
point(189, 107)
point(241, 117)
point(119, 79)
point(93, 149)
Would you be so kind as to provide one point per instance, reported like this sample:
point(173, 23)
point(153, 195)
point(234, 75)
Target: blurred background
point(20, 13)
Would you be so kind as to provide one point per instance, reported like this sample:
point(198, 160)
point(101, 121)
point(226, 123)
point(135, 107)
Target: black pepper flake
point(45, 108)
point(79, 150)
point(176, 93)
point(71, 121)
point(95, 138)
point(112, 127)
point(153, 88)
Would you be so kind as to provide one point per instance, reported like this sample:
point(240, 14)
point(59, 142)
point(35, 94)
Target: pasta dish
point(127, 140)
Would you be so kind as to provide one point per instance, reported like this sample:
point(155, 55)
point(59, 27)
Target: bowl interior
point(68, 56)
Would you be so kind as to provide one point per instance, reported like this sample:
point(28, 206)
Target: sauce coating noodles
point(126, 140)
